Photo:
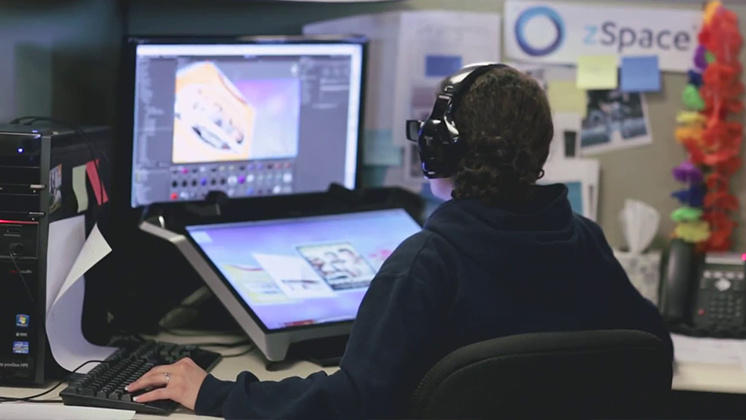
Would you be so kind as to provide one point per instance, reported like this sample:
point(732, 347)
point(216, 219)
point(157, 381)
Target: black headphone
point(440, 146)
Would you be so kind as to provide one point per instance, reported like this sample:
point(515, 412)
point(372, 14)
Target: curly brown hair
point(506, 124)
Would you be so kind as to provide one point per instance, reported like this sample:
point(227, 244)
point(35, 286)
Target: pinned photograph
point(55, 188)
point(614, 120)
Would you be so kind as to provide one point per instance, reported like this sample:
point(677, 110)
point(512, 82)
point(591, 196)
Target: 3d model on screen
point(210, 110)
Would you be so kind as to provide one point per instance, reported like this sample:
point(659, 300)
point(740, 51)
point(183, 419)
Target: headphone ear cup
point(428, 147)
point(438, 149)
point(449, 150)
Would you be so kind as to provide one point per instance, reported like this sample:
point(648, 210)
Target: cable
point(205, 344)
point(58, 401)
point(31, 397)
point(73, 127)
point(19, 120)
point(186, 332)
point(248, 350)
point(20, 274)
point(226, 345)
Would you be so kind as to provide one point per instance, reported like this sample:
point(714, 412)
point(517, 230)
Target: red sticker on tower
point(98, 188)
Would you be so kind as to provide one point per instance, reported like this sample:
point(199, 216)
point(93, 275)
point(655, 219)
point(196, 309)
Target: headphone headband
point(440, 146)
point(468, 75)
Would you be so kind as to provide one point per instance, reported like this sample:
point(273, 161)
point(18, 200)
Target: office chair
point(583, 374)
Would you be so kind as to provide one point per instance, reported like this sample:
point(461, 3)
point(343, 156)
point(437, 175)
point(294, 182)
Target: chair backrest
point(583, 374)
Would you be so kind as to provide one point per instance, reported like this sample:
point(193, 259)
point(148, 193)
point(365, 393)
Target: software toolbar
point(190, 182)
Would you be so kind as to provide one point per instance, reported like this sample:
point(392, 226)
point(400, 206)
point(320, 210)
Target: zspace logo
point(608, 34)
point(528, 15)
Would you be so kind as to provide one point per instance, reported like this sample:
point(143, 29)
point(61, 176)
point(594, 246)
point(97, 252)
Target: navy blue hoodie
point(473, 273)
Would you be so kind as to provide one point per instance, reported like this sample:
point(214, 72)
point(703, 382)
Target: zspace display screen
point(304, 271)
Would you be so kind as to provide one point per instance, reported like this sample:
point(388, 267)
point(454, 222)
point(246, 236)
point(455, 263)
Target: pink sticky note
point(98, 189)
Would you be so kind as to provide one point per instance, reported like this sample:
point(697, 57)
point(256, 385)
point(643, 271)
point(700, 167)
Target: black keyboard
point(104, 385)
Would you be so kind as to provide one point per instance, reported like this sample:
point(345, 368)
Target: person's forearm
point(213, 394)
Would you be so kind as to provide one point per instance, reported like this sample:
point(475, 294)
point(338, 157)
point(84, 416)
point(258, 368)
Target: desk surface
point(687, 376)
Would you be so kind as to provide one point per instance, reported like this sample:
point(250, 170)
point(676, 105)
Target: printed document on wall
point(564, 144)
point(433, 45)
point(581, 177)
point(382, 31)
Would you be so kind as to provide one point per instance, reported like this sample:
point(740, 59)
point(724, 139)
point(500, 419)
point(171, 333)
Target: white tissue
point(639, 224)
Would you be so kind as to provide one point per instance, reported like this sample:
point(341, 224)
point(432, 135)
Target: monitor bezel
point(124, 146)
point(238, 298)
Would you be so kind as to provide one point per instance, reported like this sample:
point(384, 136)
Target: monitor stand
point(325, 352)
point(211, 206)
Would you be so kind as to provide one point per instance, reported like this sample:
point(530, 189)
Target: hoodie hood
point(498, 237)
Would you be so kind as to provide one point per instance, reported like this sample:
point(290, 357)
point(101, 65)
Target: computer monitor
point(245, 116)
point(291, 280)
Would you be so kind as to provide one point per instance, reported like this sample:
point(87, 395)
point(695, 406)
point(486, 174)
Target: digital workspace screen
point(245, 119)
point(304, 271)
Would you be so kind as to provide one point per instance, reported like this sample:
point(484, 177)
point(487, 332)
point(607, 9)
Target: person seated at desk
point(501, 256)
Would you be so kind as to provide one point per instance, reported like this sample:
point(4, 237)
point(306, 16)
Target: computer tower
point(36, 189)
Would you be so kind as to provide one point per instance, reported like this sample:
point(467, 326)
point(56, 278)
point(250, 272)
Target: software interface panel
point(245, 119)
point(304, 271)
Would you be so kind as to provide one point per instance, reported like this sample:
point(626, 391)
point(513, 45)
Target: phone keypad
point(725, 307)
point(721, 299)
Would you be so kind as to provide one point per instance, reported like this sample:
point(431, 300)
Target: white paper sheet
point(36, 411)
point(577, 174)
point(66, 239)
point(382, 31)
point(566, 127)
point(537, 71)
point(709, 350)
point(69, 258)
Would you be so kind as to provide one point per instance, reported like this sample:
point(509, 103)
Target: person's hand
point(179, 382)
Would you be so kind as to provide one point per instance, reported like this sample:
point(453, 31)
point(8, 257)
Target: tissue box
point(643, 271)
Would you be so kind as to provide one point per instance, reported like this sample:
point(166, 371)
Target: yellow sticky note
point(79, 188)
point(597, 72)
point(564, 96)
